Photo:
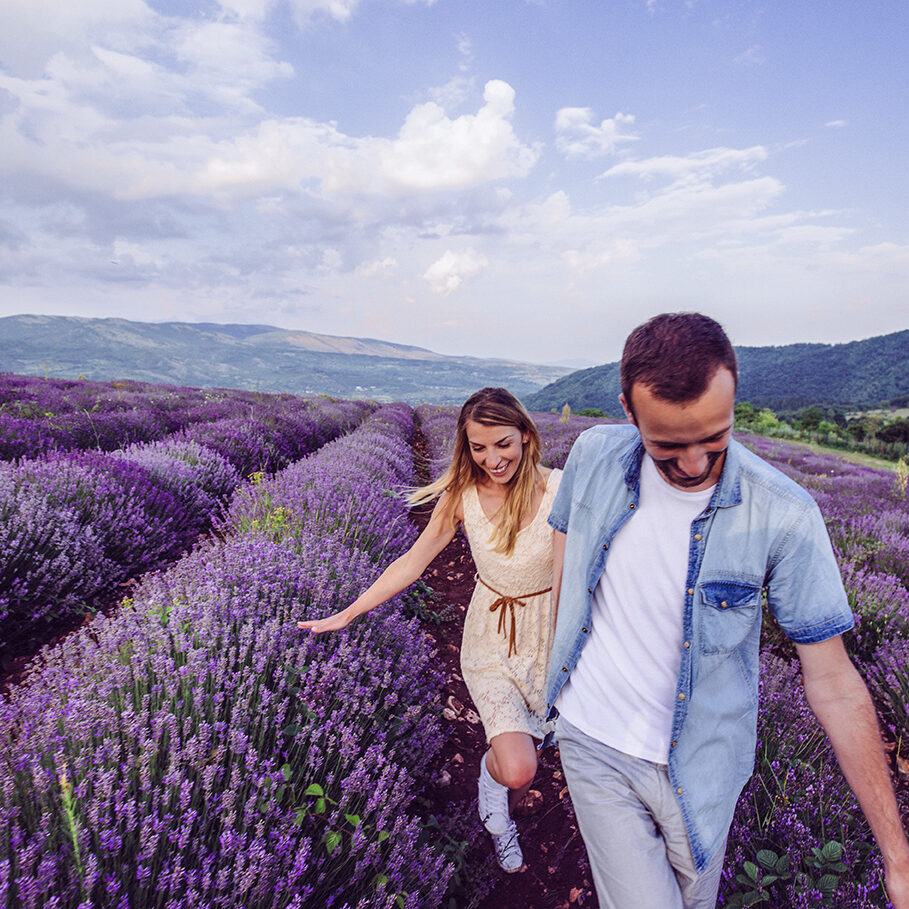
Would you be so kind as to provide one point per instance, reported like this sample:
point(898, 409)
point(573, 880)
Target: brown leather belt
point(506, 602)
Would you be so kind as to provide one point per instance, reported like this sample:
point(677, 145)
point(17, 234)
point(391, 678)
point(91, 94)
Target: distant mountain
point(853, 375)
point(258, 357)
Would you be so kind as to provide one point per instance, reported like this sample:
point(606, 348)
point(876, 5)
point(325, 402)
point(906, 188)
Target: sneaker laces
point(492, 801)
point(508, 849)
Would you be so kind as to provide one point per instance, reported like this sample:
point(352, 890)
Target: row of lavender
point(197, 750)
point(798, 838)
point(74, 524)
point(39, 416)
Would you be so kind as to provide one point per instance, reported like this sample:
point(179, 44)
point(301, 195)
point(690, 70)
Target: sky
point(524, 179)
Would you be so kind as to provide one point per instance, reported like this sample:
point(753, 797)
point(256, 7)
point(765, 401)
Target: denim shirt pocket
point(728, 611)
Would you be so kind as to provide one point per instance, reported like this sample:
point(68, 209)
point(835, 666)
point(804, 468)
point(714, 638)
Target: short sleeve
point(561, 506)
point(805, 591)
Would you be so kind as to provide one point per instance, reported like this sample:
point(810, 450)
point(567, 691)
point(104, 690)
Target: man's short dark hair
point(676, 355)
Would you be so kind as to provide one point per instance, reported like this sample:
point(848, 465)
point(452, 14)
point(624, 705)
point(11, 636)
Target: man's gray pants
point(633, 828)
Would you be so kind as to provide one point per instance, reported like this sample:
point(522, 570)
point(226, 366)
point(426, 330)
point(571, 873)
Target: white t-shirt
point(622, 690)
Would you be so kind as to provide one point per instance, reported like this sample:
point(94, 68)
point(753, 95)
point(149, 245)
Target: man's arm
point(840, 700)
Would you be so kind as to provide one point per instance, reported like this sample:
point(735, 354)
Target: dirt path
point(556, 874)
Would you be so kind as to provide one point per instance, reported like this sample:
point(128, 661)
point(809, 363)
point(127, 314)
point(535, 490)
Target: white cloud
point(247, 9)
point(454, 92)
point(34, 31)
point(67, 127)
point(446, 274)
point(433, 151)
point(599, 256)
point(698, 165)
point(578, 137)
point(340, 10)
point(753, 56)
point(371, 269)
point(835, 124)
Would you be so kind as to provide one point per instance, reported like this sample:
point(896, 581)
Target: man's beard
point(679, 479)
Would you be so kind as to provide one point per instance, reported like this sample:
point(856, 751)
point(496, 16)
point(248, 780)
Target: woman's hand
point(402, 572)
point(334, 622)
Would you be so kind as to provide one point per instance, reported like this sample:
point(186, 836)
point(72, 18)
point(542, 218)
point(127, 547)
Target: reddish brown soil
point(24, 648)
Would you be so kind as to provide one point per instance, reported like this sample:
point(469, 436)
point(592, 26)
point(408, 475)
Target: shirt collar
point(728, 488)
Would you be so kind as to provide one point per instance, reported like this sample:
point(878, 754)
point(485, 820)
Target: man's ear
point(627, 408)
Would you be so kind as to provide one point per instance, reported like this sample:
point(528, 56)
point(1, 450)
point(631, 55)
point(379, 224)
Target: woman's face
point(496, 450)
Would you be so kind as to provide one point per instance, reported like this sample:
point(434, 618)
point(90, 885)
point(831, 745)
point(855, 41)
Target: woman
point(497, 489)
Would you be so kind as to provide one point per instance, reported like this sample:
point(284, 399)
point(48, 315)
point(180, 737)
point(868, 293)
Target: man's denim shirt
point(759, 534)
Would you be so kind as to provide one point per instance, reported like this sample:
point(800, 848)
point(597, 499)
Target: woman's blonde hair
point(490, 407)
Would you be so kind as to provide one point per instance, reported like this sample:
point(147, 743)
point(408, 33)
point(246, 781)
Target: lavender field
point(192, 748)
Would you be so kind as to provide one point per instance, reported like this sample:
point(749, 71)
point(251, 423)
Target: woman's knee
point(516, 769)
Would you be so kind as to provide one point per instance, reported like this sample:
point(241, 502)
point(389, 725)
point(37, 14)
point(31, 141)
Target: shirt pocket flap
point(726, 595)
point(728, 611)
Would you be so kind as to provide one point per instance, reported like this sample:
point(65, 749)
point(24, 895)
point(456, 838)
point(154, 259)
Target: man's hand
point(898, 886)
point(840, 701)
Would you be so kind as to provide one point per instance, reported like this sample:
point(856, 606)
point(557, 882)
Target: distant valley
point(257, 357)
point(858, 375)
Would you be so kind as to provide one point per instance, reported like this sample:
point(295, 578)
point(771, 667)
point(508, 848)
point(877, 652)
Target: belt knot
point(505, 602)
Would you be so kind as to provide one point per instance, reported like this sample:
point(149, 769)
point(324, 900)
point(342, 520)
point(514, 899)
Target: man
point(669, 533)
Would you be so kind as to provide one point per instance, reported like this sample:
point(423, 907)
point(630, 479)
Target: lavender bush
point(76, 524)
point(253, 430)
point(197, 475)
point(798, 837)
point(367, 474)
point(196, 750)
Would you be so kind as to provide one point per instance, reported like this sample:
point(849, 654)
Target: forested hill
point(853, 375)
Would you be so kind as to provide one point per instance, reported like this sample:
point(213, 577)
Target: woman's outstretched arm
point(401, 573)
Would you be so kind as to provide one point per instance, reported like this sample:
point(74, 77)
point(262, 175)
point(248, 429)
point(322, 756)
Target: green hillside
point(255, 357)
point(854, 375)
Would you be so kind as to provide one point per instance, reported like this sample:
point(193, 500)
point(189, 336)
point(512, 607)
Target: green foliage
point(455, 851)
point(895, 431)
point(782, 378)
point(825, 425)
point(902, 475)
point(419, 602)
point(756, 878)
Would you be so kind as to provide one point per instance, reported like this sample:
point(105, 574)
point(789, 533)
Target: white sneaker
point(508, 850)
point(493, 802)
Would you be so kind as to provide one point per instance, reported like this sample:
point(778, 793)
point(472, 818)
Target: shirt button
point(590, 590)
point(605, 547)
point(680, 790)
point(564, 669)
point(674, 744)
point(691, 591)
point(687, 644)
point(586, 630)
point(724, 604)
point(681, 696)
point(632, 506)
point(697, 536)
point(708, 511)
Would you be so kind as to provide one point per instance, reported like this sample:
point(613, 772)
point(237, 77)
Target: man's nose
point(692, 461)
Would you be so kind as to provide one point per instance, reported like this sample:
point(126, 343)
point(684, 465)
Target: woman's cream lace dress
point(509, 623)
